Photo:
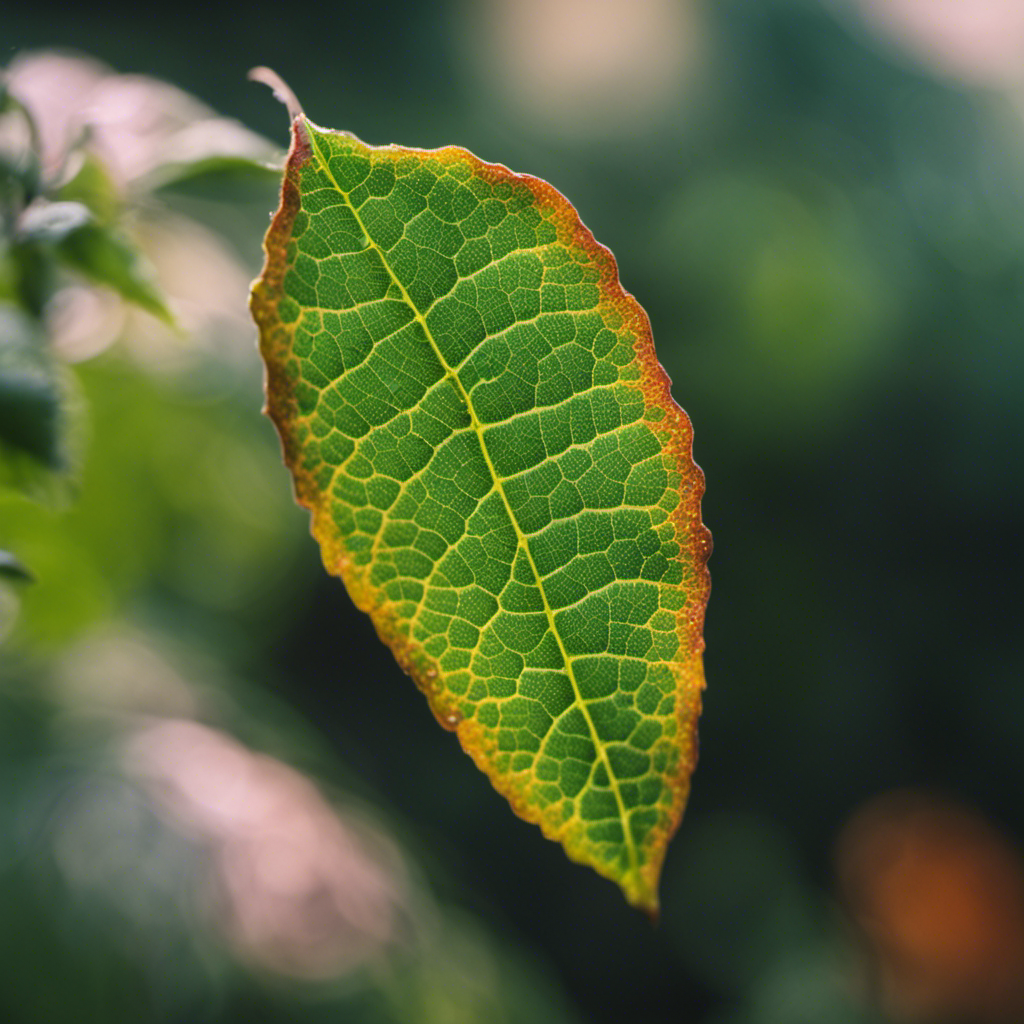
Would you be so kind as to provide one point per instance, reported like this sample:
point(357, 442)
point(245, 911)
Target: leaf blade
point(413, 312)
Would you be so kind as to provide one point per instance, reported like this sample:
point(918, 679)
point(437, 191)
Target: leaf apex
point(280, 88)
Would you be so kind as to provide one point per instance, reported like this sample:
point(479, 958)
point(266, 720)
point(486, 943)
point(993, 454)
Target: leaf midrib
point(497, 480)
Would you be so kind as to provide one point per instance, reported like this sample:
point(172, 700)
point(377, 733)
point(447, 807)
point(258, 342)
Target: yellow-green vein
point(522, 540)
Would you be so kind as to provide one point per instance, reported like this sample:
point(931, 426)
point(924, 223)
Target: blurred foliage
point(141, 485)
point(821, 205)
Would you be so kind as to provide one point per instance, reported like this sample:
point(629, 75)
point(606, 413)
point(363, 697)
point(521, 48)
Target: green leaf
point(29, 392)
point(473, 411)
point(30, 269)
point(92, 186)
point(19, 164)
point(215, 169)
point(101, 255)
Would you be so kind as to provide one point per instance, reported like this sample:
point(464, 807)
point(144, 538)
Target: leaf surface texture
point(473, 412)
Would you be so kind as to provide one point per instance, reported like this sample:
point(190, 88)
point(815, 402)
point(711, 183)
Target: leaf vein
point(520, 536)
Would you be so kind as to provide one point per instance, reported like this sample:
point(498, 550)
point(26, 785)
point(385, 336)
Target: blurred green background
point(821, 206)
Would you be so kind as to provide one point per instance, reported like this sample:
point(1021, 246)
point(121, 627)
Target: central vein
point(498, 486)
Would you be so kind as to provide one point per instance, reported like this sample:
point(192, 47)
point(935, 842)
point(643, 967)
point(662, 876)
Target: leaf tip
point(280, 88)
point(642, 894)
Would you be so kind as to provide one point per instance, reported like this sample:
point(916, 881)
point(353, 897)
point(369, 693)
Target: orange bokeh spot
point(938, 894)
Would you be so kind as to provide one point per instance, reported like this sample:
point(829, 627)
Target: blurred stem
point(29, 179)
point(22, 184)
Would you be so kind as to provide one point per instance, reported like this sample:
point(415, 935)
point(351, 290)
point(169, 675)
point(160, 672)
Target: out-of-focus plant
point(121, 318)
point(84, 153)
point(176, 859)
point(173, 844)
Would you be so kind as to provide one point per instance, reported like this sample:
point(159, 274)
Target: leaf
point(92, 185)
point(30, 272)
point(30, 417)
point(29, 412)
point(472, 410)
point(216, 146)
point(215, 169)
point(101, 255)
point(19, 156)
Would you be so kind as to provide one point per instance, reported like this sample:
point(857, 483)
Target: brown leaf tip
point(281, 89)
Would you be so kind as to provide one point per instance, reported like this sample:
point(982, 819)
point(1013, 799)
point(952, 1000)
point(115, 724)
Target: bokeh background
point(221, 801)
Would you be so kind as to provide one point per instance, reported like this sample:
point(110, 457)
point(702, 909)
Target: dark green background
point(830, 244)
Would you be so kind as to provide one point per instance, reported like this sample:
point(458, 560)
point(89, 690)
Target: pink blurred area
point(137, 131)
point(300, 890)
point(587, 68)
point(133, 123)
point(980, 42)
point(183, 815)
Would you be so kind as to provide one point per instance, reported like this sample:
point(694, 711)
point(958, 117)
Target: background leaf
point(92, 186)
point(472, 410)
point(102, 256)
point(29, 393)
